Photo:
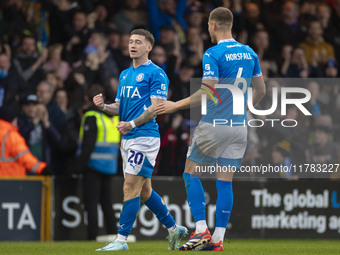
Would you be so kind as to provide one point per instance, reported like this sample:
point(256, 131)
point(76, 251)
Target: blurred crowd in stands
point(53, 51)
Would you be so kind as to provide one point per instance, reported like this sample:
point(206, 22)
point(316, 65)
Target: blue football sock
point(128, 215)
point(158, 207)
point(224, 202)
point(195, 196)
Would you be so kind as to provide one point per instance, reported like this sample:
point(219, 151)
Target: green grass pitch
point(233, 247)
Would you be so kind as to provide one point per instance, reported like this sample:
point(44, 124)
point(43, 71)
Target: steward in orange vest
point(15, 157)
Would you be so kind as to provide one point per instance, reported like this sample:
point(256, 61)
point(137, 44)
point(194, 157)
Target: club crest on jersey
point(140, 77)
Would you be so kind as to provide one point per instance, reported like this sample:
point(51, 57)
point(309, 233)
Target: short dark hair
point(223, 17)
point(148, 36)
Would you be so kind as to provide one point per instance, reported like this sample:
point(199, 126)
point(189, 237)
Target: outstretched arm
point(192, 101)
point(125, 127)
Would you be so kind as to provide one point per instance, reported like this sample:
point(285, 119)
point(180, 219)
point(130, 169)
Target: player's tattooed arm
point(125, 127)
point(146, 116)
point(112, 109)
point(149, 113)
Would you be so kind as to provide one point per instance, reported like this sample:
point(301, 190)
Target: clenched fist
point(98, 100)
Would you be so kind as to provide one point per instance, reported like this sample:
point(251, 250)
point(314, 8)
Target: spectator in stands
point(53, 78)
point(15, 23)
point(37, 17)
point(307, 13)
point(317, 50)
point(317, 106)
point(132, 15)
point(61, 97)
point(252, 19)
point(281, 157)
point(78, 38)
point(158, 56)
point(60, 18)
point(56, 63)
point(298, 66)
point(323, 150)
point(299, 135)
point(107, 64)
point(36, 128)
point(113, 41)
point(98, 20)
point(284, 59)
point(122, 57)
point(167, 63)
point(195, 17)
point(97, 160)
point(181, 84)
point(45, 93)
point(15, 156)
point(260, 43)
point(330, 32)
point(99, 66)
point(194, 49)
point(69, 133)
point(167, 13)
point(285, 28)
point(29, 62)
point(12, 86)
point(167, 38)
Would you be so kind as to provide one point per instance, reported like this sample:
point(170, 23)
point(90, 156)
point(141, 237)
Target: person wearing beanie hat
point(15, 157)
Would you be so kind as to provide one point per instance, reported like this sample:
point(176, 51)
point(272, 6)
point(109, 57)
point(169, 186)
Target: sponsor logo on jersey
point(140, 77)
point(208, 73)
point(161, 92)
point(207, 67)
point(163, 87)
point(126, 92)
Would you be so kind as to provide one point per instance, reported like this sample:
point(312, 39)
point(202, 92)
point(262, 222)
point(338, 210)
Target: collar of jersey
point(145, 64)
point(226, 40)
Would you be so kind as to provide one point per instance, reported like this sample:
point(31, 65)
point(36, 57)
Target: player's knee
point(130, 191)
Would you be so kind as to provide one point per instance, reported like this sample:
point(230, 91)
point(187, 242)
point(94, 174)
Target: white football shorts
point(139, 155)
point(222, 144)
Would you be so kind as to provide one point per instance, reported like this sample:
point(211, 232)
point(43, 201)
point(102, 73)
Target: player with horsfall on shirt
point(232, 63)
